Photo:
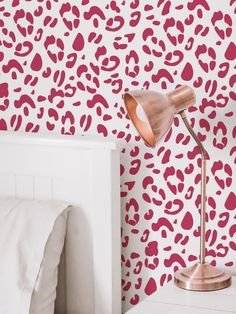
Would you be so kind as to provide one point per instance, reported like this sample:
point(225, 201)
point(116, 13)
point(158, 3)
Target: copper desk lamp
point(158, 113)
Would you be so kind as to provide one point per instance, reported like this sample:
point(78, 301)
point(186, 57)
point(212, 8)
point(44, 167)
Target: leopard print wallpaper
point(64, 66)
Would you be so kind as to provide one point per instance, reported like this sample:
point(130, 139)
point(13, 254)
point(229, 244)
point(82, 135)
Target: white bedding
point(25, 227)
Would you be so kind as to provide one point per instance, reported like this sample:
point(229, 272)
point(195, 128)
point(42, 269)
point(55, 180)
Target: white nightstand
point(172, 300)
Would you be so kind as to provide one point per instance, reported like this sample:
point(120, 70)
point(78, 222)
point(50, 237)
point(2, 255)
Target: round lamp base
point(202, 277)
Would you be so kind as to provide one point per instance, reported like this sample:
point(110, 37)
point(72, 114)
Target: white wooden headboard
point(84, 172)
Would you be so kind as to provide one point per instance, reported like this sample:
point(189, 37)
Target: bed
point(84, 172)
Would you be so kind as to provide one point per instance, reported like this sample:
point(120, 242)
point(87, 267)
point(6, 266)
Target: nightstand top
point(173, 300)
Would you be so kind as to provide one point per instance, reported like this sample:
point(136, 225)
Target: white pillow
point(44, 294)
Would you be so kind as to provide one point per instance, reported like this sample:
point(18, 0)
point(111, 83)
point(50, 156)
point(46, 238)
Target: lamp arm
point(194, 135)
point(203, 187)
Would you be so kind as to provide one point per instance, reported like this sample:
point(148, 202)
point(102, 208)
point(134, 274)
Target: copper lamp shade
point(152, 115)
point(159, 110)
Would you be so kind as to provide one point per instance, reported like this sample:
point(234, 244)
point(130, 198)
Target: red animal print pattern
point(64, 66)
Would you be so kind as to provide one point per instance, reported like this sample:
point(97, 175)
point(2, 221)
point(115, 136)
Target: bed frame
point(84, 172)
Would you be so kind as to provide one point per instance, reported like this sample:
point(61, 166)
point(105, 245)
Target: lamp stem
point(203, 187)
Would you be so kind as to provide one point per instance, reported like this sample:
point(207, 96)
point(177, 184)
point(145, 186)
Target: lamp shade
point(152, 113)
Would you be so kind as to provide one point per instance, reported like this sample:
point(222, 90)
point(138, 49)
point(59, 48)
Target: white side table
point(172, 300)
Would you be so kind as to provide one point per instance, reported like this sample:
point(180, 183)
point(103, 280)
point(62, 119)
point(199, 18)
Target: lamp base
point(202, 277)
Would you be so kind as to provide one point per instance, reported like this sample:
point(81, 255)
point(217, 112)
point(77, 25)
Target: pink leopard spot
point(230, 202)
point(187, 73)
point(230, 53)
point(151, 286)
point(187, 222)
point(36, 63)
point(78, 43)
